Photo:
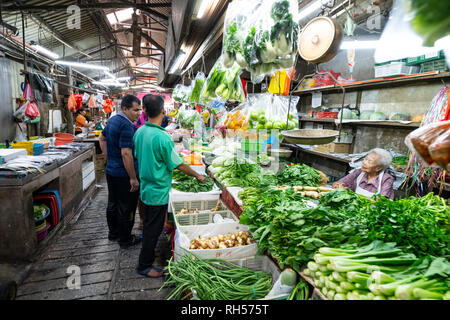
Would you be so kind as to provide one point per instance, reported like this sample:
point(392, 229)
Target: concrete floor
point(107, 272)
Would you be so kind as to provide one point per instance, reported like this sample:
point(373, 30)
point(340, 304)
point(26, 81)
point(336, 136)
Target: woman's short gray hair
point(385, 158)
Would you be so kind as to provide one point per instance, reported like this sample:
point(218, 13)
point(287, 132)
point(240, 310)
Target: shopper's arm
point(128, 162)
point(102, 141)
point(188, 170)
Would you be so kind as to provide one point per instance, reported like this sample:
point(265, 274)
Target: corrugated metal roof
point(38, 23)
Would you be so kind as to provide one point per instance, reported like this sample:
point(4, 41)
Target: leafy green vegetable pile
point(299, 175)
point(181, 93)
point(232, 172)
point(281, 221)
point(186, 183)
point(379, 271)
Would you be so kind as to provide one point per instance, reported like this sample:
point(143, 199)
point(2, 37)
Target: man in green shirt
point(157, 158)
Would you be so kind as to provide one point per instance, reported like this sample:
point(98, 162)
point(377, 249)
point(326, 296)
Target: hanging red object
point(244, 86)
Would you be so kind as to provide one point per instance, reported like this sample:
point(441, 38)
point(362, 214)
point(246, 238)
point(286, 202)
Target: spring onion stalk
point(405, 291)
point(347, 286)
point(337, 276)
point(379, 297)
point(340, 296)
point(421, 294)
point(389, 289)
point(323, 268)
point(339, 289)
point(381, 278)
point(358, 277)
point(307, 272)
point(330, 294)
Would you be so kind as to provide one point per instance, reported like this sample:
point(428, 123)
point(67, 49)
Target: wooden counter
point(18, 241)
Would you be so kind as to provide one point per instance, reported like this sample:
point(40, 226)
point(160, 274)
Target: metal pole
point(23, 43)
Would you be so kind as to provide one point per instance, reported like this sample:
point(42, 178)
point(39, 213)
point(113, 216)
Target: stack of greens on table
point(379, 271)
point(187, 118)
point(186, 183)
point(215, 279)
point(233, 172)
point(299, 175)
point(282, 222)
point(400, 160)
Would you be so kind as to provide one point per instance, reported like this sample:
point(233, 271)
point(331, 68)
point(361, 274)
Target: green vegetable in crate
point(215, 279)
point(346, 114)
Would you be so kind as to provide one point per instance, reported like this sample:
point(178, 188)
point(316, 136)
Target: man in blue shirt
point(116, 142)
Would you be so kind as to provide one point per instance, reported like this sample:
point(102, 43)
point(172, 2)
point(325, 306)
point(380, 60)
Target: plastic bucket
point(63, 138)
point(41, 235)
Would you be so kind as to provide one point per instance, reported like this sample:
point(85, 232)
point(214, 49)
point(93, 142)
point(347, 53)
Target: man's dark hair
point(153, 105)
point(127, 101)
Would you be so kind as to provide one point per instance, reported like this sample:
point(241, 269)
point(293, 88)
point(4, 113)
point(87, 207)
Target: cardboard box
point(333, 147)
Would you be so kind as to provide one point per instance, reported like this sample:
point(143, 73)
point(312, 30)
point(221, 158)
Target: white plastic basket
point(201, 205)
point(202, 218)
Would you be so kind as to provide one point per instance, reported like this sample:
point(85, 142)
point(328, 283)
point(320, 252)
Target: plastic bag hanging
point(32, 110)
point(91, 103)
point(107, 106)
point(72, 103)
point(19, 114)
point(28, 93)
point(197, 88)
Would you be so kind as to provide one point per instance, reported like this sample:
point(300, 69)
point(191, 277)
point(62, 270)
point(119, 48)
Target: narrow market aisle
point(107, 272)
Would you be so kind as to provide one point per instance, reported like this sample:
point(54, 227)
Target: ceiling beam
point(105, 5)
point(127, 28)
point(55, 33)
point(153, 42)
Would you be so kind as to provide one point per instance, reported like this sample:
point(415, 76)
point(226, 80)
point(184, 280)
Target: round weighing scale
point(318, 42)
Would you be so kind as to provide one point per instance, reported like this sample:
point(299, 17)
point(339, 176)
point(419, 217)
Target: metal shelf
point(380, 83)
point(393, 124)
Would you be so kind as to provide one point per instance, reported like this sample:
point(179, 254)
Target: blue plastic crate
point(38, 148)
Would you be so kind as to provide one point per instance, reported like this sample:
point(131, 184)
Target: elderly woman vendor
point(372, 177)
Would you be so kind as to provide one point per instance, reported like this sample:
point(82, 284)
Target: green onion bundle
point(215, 279)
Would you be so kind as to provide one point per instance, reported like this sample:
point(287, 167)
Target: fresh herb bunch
point(338, 199)
point(299, 175)
point(400, 160)
point(421, 225)
point(186, 183)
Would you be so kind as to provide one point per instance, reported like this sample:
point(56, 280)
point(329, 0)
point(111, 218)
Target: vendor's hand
point(201, 178)
point(134, 185)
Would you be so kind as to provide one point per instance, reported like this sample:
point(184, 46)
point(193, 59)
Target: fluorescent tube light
point(309, 9)
point(123, 78)
point(45, 51)
point(81, 65)
point(122, 15)
point(109, 74)
point(177, 62)
point(202, 9)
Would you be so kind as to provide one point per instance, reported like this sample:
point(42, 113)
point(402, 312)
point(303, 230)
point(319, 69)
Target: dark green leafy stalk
point(231, 42)
point(186, 183)
point(299, 175)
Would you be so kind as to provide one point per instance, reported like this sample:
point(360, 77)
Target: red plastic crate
point(52, 202)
